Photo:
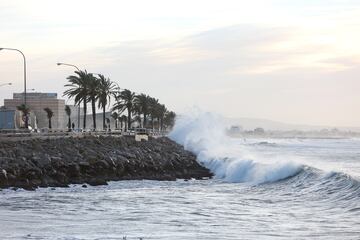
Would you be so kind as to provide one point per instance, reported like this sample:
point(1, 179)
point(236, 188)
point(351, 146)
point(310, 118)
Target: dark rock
point(3, 175)
point(93, 160)
point(73, 170)
point(97, 182)
point(84, 164)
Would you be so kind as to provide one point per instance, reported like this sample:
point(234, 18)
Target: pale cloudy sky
point(285, 60)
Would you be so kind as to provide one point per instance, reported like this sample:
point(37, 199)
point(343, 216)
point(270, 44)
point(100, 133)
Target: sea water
point(262, 189)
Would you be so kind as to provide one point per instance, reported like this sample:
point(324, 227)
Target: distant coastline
point(323, 134)
point(270, 125)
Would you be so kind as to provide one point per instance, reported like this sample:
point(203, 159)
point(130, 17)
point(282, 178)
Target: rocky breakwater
point(93, 160)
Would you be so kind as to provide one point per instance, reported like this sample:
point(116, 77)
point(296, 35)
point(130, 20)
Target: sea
point(263, 188)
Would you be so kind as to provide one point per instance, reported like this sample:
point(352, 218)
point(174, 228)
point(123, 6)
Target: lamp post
point(14, 49)
point(67, 64)
point(71, 65)
point(4, 84)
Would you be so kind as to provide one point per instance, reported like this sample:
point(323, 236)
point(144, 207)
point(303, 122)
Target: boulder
point(93, 160)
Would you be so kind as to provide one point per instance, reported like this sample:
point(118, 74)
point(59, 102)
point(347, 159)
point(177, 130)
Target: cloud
point(239, 50)
point(259, 61)
point(260, 71)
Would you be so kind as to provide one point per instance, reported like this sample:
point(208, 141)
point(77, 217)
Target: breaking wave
point(203, 133)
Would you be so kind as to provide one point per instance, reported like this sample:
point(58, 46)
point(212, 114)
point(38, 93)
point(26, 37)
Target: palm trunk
point(93, 112)
point(84, 125)
point(69, 123)
point(104, 126)
point(26, 121)
point(144, 122)
point(49, 123)
point(129, 119)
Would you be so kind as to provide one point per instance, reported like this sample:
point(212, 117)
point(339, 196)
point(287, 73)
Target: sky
point(290, 61)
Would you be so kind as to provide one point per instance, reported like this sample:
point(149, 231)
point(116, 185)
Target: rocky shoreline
point(93, 160)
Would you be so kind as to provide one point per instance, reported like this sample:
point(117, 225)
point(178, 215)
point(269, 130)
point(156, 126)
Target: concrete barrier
point(141, 137)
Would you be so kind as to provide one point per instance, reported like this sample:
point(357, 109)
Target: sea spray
point(203, 133)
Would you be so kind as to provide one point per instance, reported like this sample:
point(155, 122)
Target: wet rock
point(93, 160)
point(3, 175)
point(73, 170)
point(97, 182)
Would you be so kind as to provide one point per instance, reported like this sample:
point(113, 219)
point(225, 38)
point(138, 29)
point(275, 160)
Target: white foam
point(203, 133)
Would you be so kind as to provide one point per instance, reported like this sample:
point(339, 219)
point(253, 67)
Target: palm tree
point(50, 114)
point(79, 90)
point(115, 116)
point(121, 122)
point(169, 119)
point(68, 113)
point(105, 90)
point(107, 124)
point(123, 119)
point(137, 118)
point(92, 93)
point(136, 115)
point(125, 101)
point(153, 110)
point(161, 110)
point(142, 102)
point(25, 110)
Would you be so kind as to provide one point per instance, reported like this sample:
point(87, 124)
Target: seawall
point(94, 160)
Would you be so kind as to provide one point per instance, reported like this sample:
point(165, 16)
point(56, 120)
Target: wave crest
point(203, 133)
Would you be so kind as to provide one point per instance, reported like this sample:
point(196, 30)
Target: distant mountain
point(252, 123)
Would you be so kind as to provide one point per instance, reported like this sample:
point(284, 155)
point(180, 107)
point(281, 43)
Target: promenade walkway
point(18, 135)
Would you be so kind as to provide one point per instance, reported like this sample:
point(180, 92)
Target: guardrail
point(66, 132)
point(6, 131)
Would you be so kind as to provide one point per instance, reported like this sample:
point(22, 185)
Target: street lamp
point(4, 84)
point(14, 49)
point(71, 65)
point(67, 64)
